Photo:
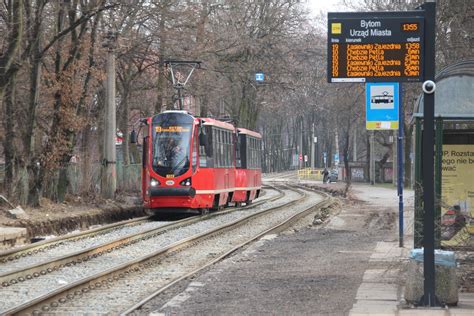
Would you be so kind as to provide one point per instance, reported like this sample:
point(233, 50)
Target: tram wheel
point(204, 211)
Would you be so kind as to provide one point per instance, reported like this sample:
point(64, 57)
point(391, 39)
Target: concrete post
point(109, 180)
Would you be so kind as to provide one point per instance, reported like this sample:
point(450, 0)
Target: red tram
point(193, 164)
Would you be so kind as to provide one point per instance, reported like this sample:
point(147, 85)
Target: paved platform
point(381, 292)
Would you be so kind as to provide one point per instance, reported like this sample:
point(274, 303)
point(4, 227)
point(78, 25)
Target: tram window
point(238, 161)
point(259, 154)
point(217, 149)
point(225, 153)
point(227, 149)
point(145, 151)
point(224, 149)
point(195, 151)
point(254, 154)
point(249, 153)
point(206, 151)
point(231, 150)
point(221, 148)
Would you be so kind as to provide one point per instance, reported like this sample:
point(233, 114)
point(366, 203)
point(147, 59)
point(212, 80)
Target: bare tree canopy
point(52, 69)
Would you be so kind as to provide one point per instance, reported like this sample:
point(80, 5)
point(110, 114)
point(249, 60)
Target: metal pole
point(180, 99)
point(418, 225)
point(372, 158)
point(109, 181)
point(401, 121)
point(312, 148)
point(395, 158)
point(429, 297)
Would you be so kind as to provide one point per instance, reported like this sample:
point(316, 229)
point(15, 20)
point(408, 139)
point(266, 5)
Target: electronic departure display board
point(375, 47)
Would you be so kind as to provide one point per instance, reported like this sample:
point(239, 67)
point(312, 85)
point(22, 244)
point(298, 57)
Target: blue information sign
point(382, 105)
point(259, 76)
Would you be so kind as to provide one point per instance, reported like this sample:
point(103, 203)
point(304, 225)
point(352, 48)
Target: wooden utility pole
point(109, 180)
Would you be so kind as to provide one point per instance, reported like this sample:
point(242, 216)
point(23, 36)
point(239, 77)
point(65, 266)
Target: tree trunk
point(161, 100)
point(124, 122)
point(15, 27)
point(8, 147)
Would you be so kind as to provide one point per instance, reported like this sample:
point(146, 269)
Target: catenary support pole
point(400, 176)
point(312, 147)
point(372, 158)
point(429, 297)
point(109, 181)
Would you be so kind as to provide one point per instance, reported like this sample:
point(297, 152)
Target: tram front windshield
point(171, 143)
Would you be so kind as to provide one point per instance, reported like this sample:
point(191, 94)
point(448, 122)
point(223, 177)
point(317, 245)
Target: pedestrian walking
point(325, 175)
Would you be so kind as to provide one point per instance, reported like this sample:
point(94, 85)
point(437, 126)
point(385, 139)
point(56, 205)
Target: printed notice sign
point(375, 47)
point(457, 194)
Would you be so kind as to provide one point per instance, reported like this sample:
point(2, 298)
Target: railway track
point(62, 248)
point(71, 290)
point(19, 267)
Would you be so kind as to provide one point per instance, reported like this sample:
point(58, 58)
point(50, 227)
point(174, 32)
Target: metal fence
point(86, 179)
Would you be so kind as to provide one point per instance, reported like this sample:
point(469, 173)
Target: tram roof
point(249, 132)
point(454, 96)
point(214, 122)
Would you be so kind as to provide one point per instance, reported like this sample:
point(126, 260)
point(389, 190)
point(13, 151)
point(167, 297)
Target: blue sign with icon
point(382, 103)
point(259, 76)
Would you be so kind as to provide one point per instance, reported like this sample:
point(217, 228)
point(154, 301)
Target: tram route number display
point(171, 129)
point(374, 49)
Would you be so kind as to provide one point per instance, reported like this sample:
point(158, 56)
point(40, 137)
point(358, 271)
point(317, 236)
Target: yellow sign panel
point(171, 129)
point(457, 194)
point(336, 28)
point(372, 125)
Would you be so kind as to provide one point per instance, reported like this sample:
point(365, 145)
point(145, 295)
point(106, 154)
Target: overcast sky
point(324, 5)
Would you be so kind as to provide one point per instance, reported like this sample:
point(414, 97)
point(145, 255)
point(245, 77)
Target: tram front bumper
point(191, 192)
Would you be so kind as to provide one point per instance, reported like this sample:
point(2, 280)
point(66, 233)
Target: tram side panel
point(216, 175)
point(248, 172)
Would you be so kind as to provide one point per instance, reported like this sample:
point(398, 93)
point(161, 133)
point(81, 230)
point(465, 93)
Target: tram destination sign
point(375, 46)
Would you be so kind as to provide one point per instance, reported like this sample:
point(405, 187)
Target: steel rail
point(31, 249)
point(48, 266)
point(28, 250)
point(275, 229)
point(44, 303)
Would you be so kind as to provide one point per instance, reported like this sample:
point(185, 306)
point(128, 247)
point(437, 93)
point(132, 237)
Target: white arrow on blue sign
point(259, 76)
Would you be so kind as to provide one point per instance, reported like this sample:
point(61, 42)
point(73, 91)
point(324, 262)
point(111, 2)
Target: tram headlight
point(154, 183)
point(186, 182)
